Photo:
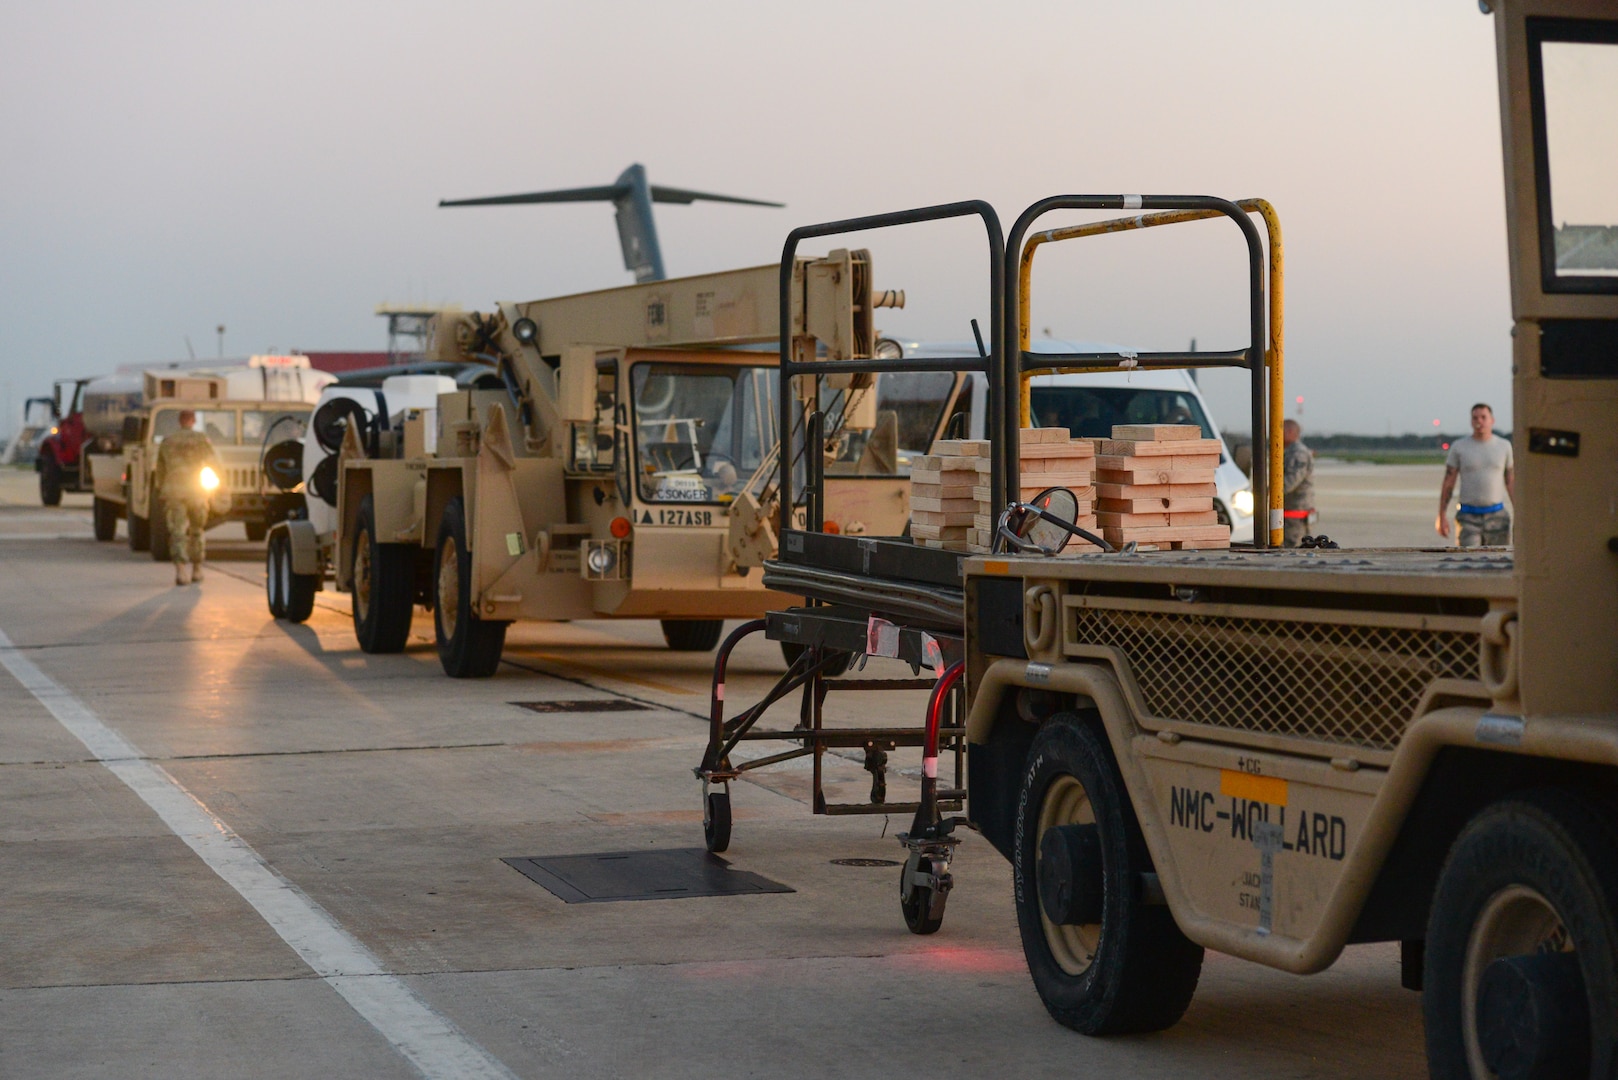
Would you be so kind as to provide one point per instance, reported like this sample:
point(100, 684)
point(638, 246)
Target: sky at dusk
point(276, 168)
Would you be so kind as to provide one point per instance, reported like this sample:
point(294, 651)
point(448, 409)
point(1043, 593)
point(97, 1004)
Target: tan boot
point(179, 574)
point(196, 573)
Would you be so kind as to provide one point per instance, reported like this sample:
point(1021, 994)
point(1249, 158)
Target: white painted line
point(425, 1038)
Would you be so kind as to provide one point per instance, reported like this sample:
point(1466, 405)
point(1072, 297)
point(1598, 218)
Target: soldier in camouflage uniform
point(1298, 484)
point(178, 480)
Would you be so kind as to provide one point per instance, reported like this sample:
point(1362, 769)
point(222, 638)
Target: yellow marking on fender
point(1264, 789)
point(997, 568)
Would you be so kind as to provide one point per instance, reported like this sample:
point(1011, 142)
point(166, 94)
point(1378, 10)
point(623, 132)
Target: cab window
point(1573, 68)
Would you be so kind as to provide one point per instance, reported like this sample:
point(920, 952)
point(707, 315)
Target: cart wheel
point(1104, 961)
point(918, 909)
point(1521, 974)
point(716, 820)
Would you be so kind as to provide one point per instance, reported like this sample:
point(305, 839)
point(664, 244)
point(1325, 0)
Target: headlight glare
point(209, 478)
point(1243, 501)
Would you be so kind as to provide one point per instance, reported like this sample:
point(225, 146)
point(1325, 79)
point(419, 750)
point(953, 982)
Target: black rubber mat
point(667, 874)
point(581, 705)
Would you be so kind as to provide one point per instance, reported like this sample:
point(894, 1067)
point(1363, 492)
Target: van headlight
point(1243, 501)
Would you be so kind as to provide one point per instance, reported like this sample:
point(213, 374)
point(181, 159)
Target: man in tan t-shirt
point(1483, 463)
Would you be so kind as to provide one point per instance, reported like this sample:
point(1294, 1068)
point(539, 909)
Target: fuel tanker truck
point(92, 423)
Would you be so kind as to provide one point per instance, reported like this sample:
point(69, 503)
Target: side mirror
point(1059, 503)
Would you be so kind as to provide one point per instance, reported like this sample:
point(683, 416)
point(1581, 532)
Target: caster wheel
point(716, 820)
point(923, 910)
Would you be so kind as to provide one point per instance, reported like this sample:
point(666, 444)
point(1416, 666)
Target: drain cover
point(864, 862)
point(582, 705)
point(669, 874)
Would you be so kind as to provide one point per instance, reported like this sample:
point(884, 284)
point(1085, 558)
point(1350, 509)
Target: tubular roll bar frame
point(989, 365)
point(1261, 354)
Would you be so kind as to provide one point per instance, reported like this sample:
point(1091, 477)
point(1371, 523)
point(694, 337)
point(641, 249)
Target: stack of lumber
point(1051, 457)
point(943, 503)
point(1155, 487)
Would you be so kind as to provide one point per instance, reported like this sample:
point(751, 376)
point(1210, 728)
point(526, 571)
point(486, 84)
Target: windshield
point(1579, 195)
point(909, 406)
point(218, 424)
point(255, 422)
point(1090, 412)
point(700, 430)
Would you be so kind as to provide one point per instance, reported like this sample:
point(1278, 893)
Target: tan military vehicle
point(237, 428)
point(625, 470)
point(1277, 753)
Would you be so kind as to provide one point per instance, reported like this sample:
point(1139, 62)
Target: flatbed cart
point(865, 596)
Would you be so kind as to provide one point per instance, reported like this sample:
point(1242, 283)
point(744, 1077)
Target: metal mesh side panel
point(1357, 685)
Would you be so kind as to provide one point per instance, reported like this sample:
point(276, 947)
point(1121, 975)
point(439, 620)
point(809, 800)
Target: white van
point(1088, 405)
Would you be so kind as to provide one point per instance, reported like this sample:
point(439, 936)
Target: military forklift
point(623, 470)
point(1278, 753)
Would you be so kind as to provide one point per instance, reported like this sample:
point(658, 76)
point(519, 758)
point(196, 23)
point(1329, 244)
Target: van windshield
point(1090, 412)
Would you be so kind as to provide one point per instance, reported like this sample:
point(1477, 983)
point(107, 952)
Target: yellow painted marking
point(1264, 789)
point(997, 568)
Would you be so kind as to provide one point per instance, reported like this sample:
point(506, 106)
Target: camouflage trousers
point(1295, 529)
point(1484, 530)
point(186, 520)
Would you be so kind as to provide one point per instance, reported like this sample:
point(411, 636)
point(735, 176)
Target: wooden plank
point(965, 448)
point(1153, 505)
point(1167, 532)
point(1172, 448)
point(1042, 436)
point(1155, 491)
point(953, 476)
point(1199, 517)
point(1109, 520)
point(1152, 477)
point(938, 532)
point(947, 517)
point(1155, 432)
point(943, 506)
point(1058, 450)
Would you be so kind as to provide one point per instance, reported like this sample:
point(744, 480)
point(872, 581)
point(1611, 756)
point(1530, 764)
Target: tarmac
point(231, 847)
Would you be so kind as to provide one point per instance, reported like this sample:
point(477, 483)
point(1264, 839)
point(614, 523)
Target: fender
point(1581, 739)
point(305, 544)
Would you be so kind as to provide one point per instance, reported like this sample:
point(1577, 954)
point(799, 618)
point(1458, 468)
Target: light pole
point(221, 329)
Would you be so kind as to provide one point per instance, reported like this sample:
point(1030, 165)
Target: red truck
point(92, 423)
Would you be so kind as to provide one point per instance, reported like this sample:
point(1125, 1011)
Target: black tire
point(255, 530)
point(839, 660)
point(158, 531)
point(140, 534)
point(1530, 885)
point(105, 515)
point(50, 481)
point(716, 821)
point(276, 571)
point(692, 635)
point(383, 591)
point(1132, 970)
point(918, 910)
point(468, 647)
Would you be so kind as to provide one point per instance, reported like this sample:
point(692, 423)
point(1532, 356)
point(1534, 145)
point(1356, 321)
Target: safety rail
point(1263, 354)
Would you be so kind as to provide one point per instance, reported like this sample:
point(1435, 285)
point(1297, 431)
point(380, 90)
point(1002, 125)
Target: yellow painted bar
point(1274, 353)
point(1264, 789)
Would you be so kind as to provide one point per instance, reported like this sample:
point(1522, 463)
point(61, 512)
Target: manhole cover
point(581, 705)
point(670, 874)
point(864, 862)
